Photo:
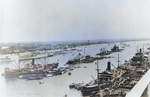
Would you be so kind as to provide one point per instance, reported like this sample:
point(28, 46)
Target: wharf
point(19, 57)
point(30, 58)
point(128, 80)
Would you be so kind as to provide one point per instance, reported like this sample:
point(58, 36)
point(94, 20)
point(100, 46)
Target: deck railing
point(141, 87)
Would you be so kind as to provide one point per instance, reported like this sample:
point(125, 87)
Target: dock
point(130, 79)
point(30, 58)
point(22, 58)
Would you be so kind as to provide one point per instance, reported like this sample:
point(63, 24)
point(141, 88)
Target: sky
point(56, 20)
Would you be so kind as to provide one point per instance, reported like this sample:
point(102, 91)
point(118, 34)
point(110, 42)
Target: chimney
point(32, 61)
point(140, 50)
point(108, 66)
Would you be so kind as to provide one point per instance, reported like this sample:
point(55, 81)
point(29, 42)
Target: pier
point(22, 58)
point(30, 58)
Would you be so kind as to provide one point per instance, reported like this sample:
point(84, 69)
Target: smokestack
point(108, 66)
point(140, 50)
point(32, 61)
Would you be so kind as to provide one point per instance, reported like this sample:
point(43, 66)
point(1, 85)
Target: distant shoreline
point(44, 46)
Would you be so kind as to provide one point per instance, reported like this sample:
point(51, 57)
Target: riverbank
point(15, 48)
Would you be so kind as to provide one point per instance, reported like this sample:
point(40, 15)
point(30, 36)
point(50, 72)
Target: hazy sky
point(49, 20)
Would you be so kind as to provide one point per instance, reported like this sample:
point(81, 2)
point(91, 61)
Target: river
point(58, 86)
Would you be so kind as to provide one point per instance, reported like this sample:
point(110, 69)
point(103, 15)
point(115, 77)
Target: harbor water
point(58, 86)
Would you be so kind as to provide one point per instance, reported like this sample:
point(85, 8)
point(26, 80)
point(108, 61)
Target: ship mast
point(118, 60)
point(45, 58)
point(84, 51)
point(18, 57)
point(143, 47)
point(97, 63)
point(137, 48)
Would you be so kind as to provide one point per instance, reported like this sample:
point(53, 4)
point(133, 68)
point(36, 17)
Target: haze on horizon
point(54, 20)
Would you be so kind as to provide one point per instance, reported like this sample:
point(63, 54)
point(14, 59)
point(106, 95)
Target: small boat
point(49, 75)
point(69, 73)
point(53, 65)
point(57, 72)
point(33, 78)
point(86, 90)
point(148, 48)
point(41, 82)
point(72, 85)
point(21, 76)
point(50, 54)
point(71, 61)
point(71, 68)
point(65, 95)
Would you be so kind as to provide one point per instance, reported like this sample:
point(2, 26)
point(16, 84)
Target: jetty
point(30, 58)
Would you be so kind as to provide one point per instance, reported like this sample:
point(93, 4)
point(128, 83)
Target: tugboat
point(69, 73)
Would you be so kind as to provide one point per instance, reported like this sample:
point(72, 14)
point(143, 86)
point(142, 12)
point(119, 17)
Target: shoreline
point(56, 46)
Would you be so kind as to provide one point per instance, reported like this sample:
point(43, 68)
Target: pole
point(101, 94)
point(143, 47)
point(118, 60)
point(84, 51)
point(45, 53)
point(97, 70)
point(19, 61)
